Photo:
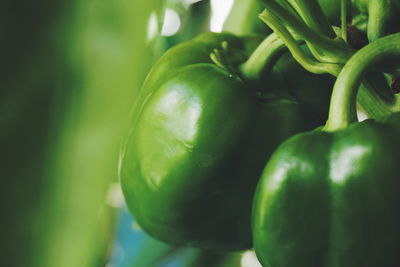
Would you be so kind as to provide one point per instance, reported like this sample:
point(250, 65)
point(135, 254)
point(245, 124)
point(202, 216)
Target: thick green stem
point(307, 62)
point(312, 14)
point(343, 17)
point(379, 14)
point(368, 98)
point(343, 102)
point(263, 58)
point(328, 50)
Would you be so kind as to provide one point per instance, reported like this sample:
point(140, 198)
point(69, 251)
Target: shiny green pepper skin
point(179, 173)
point(195, 51)
point(331, 199)
point(194, 156)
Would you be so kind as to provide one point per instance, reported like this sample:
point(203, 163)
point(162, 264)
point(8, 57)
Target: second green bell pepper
point(330, 198)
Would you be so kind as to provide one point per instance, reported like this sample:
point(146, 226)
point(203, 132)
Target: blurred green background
point(70, 72)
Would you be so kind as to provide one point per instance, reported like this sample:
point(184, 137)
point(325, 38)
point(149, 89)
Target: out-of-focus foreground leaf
point(69, 73)
point(243, 18)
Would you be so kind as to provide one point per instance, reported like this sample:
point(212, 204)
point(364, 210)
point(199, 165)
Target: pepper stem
point(311, 13)
point(380, 14)
point(343, 18)
point(307, 62)
point(263, 58)
point(324, 48)
point(342, 110)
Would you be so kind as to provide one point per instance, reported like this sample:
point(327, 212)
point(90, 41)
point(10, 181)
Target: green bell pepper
point(197, 148)
point(330, 198)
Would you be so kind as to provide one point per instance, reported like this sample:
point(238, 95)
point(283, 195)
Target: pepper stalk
point(371, 98)
point(343, 102)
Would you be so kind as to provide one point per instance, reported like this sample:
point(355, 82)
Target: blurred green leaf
point(243, 18)
point(70, 72)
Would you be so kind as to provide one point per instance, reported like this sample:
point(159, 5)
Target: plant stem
point(311, 13)
point(379, 13)
point(368, 98)
point(329, 50)
point(307, 62)
point(343, 102)
point(343, 18)
point(263, 58)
